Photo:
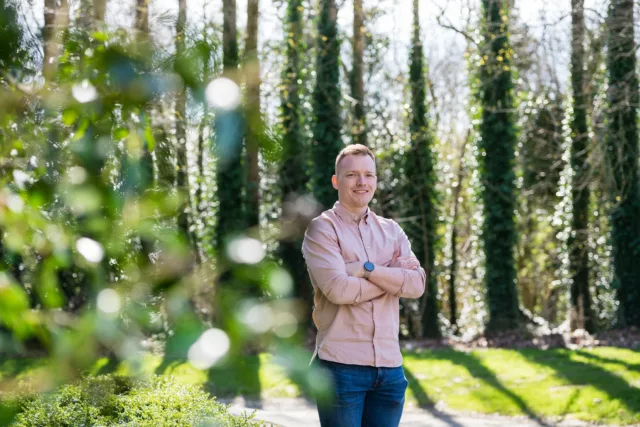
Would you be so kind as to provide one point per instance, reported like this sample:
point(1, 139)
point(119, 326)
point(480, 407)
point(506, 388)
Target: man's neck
point(359, 212)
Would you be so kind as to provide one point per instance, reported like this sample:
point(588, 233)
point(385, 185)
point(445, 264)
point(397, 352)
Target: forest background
point(161, 160)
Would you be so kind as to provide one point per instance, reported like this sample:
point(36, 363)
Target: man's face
point(356, 181)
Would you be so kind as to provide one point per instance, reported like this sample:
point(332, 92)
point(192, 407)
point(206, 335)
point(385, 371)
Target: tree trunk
point(453, 302)
point(357, 74)
point(293, 178)
point(142, 37)
point(182, 173)
point(327, 127)
point(420, 188)
point(497, 148)
point(167, 151)
point(85, 15)
point(229, 39)
point(581, 312)
point(254, 118)
point(99, 11)
point(56, 19)
point(142, 18)
point(622, 158)
point(229, 124)
point(201, 143)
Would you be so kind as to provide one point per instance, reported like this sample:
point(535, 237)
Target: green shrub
point(117, 401)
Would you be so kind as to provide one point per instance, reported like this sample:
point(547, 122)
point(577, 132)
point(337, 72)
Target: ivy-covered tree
point(496, 147)
point(293, 179)
point(420, 189)
point(327, 138)
point(581, 311)
point(622, 158)
point(357, 75)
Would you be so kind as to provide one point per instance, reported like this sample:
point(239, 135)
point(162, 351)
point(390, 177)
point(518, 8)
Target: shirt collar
point(347, 215)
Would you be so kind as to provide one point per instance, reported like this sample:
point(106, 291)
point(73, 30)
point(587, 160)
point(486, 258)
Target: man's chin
point(361, 203)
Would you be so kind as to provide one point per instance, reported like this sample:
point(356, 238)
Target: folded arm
point(404, 277)
point(327, 267)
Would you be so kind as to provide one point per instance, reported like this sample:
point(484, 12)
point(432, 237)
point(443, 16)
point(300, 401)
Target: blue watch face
point(368, 266)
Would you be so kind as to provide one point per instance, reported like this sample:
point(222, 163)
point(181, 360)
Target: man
point(360, 265)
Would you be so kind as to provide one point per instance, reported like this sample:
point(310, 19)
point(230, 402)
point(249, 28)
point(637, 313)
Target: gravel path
point(302, 413)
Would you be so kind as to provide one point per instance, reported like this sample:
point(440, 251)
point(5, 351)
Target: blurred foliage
point(120, 401)
point(93, 260)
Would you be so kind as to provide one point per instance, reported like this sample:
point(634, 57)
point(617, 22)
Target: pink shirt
point(357, 320)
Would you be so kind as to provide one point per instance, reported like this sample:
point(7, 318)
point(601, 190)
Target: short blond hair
point(354, 150)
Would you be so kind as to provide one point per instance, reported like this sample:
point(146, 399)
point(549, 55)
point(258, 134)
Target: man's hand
point(355, 269)
point(407, 262)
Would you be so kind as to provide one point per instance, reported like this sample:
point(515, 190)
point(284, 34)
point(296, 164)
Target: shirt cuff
point(359, 295)
point(404, 280)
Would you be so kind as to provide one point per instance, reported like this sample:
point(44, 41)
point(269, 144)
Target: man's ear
point(334, 181)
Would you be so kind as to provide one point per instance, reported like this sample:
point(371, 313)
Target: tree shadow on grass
point(109, 367)
point(630, 366)
point(425, 401)
point(10, 368)
point(239, 376)
point(484, 374)
point(581, 373)
point(168, 363)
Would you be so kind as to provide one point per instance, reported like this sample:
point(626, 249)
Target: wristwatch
point(368, 268)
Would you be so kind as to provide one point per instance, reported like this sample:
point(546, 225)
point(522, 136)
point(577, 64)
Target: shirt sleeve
point(414, 280)
point(327, 267)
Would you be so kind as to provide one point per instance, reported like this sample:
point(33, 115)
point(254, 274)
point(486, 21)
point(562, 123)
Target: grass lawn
point(601, 384)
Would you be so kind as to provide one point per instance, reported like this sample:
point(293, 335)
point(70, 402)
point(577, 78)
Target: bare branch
point(450, 26)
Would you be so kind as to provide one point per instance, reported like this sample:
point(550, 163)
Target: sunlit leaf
point(69, 116)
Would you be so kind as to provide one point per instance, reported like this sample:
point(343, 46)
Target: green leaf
point(100, 36)
point(148, 136)
point(69, 117)
point(120, 133)
point(48, 288)
point(14, 303)
point(12, 297)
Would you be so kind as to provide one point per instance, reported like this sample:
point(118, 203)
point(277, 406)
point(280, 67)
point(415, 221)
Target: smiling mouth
point(361, 191)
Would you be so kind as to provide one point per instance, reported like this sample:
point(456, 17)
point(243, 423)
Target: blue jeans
point(363, 396)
